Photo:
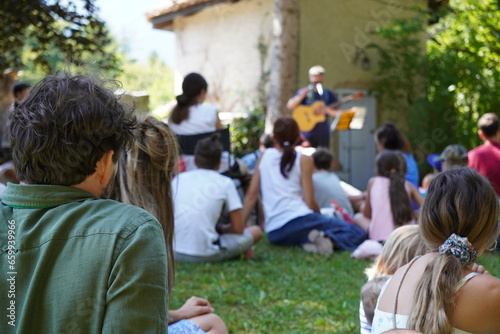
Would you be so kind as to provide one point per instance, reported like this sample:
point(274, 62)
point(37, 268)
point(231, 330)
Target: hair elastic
point(460, 248)
point(286, 143)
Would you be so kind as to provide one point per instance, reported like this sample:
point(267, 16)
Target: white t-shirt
point(199, 196)
point(202, 118)
point(281, 197)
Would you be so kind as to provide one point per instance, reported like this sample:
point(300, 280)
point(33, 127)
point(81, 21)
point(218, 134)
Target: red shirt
point(486, 160)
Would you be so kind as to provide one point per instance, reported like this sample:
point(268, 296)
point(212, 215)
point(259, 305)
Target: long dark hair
point(389, 136)
point(392, 164)
point(286, 134)
point(192, 86)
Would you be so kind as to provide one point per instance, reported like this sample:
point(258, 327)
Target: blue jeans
point(345, 236)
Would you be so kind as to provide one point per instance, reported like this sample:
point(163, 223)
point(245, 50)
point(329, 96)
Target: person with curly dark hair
point(74, 261)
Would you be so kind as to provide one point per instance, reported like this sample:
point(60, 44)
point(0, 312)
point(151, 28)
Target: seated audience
point(284, 178)
point(402, 245)
point(388, 196)
point(82, 264)
point(151, 161)
point(327, 186)
point(19, 92)
point(486, 157)
point(388, 137)
point(250, 159)
point(439, 292)
point(200, 195)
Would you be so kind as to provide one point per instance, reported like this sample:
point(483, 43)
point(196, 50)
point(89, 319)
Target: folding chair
point(187, 143)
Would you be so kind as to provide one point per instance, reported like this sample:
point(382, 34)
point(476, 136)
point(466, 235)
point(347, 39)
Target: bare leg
point(210, 323)
point(362, 221)
point(255, 231)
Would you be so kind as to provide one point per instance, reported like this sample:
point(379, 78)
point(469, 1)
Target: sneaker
point(319, 243)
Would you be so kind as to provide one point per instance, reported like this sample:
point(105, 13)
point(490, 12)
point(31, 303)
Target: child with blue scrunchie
point(444, 291)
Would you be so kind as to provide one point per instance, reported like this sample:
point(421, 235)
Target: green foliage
point(442, 93)
point(464, 54)
point(88, 63)
point(284, 290)
point(245, 132)
point(66, 30)
point(154, 77)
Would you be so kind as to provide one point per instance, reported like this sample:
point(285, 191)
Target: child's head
point(207, 152)
point(427, 180)
point(392, 164)
point(266, 140)
point(388, 162)
point(369, 295)
point(322, 158)
point(402, 245)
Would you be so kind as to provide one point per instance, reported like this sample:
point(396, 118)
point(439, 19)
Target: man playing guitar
point(319, 135)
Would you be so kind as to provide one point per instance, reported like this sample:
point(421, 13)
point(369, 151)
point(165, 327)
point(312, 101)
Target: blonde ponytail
point(434, 297)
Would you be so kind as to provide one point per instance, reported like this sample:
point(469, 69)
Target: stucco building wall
point(221, 43)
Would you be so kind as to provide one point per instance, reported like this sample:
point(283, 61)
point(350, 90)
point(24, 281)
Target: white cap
point(316, 70)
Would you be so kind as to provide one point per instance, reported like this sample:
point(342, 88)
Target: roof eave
point(165, 21)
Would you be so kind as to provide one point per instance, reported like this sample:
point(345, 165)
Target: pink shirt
point(382, 222)
point(486, 160)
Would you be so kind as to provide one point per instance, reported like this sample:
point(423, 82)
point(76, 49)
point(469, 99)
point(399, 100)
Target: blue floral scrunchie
point(460, 248)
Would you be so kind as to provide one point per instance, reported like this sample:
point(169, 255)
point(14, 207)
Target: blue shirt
point(321, 129)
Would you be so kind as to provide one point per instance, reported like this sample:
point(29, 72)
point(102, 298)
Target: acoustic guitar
point(307, 119)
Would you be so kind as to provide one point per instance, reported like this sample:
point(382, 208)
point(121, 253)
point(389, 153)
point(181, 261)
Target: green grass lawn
point(284, 290)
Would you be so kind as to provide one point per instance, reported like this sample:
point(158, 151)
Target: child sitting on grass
point(441, 292)
point(326, 183)
point(200, 195)
point(403, 244)
point(388, 195)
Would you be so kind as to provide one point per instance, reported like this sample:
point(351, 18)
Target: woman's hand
point(193, 307)
point(478, 269)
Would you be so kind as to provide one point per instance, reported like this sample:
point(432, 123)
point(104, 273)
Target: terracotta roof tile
point(172, 6)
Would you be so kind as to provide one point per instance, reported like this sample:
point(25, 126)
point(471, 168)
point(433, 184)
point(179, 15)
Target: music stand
point(346, 120)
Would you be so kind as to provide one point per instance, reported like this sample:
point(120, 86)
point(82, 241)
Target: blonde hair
point(402, 245)
point(369, 295)
point(144, 176)
point(459, 201)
